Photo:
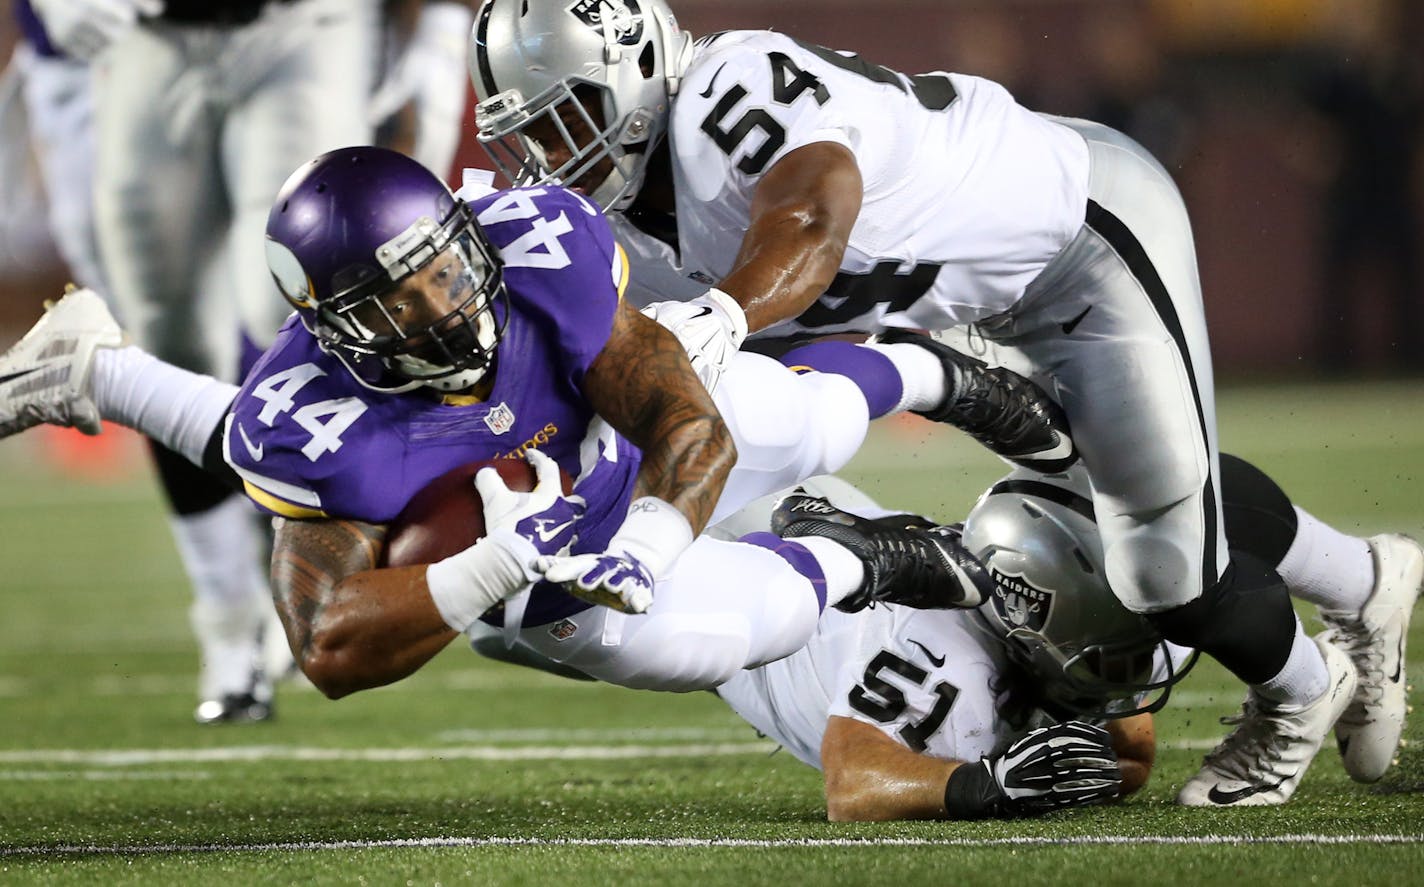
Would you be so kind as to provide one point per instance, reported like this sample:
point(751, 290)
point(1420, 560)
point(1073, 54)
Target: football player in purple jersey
point(431, 332)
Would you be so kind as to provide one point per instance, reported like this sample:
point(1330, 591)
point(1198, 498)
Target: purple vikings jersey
point(310, 441)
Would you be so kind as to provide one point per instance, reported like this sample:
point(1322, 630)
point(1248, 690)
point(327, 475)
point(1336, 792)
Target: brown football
point(447, 516)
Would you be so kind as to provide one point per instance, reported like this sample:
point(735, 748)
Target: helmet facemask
point(429, 311)
point(565, 121)
point(577, 95)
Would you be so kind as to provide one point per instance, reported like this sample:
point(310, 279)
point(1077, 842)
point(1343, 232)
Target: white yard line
point(791, 843)
point(249, 753)
point(101, 775)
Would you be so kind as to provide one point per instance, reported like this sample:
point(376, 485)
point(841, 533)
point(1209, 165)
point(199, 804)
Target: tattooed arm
point(351, 626)
point(644, 386)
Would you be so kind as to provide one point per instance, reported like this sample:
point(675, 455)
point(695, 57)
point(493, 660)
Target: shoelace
point(1250, 751)
point(993, 412)
point(1359, 642)
point(918, 558)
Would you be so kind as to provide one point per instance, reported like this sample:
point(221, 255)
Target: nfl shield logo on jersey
point(563, 630)
point(621, 20)
point(500, 418)
point(1019, 604)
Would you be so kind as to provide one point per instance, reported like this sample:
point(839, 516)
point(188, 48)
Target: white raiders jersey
point(968, 195)
point(923, 677)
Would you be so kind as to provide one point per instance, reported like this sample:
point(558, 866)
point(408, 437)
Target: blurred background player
point(202, 107)
point(418, 105)
point(59, 114)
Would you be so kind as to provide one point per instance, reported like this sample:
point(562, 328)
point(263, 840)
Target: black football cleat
point(922, 567)
point(1010, 415)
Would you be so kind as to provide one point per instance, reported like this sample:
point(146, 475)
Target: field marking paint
point(783, 843)
point(101, 775)
point(240, 753)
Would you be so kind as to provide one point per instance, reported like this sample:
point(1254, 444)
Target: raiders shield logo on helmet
point(618, 20)
point(1018, 603)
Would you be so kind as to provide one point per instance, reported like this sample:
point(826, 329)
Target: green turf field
point(473, 772)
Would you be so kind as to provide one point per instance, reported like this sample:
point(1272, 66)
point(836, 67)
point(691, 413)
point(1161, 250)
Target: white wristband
point(736, 315)
point(465, 585)
point(654, 532)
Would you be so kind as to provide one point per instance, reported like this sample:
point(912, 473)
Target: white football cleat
point(1261, 762)
point(1368, 733)
point(45, 377)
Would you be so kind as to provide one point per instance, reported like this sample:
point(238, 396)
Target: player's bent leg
point(724, 607)
point(787, 427)
point(1291, 704)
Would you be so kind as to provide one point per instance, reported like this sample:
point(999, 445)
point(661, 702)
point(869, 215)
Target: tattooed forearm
point(643, 385)
point(309, 559)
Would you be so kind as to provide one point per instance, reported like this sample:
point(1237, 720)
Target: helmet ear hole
point(646, 61)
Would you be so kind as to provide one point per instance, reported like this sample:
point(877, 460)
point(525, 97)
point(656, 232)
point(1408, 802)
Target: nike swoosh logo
point(707, 94)
point(547, 533)
point(1072, 325)
point(937, 660)
point(1398, 663)
point(701, 313)
point(1062, 449)
point(253, 450)
point(1217, 796)
point(10, 377)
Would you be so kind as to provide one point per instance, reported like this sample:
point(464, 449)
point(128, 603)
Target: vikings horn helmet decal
point(353, 239)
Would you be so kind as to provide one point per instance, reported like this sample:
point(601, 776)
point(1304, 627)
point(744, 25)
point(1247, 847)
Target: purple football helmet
point(389, 270)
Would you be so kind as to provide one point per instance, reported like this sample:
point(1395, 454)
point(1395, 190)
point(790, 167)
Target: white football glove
point(430, 72)
point(85, 28)
point(544, 517)
point(519, 528)
point(622, 575)
point(710, 327)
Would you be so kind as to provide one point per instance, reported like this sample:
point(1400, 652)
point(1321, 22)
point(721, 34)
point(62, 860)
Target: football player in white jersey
point(791, 191)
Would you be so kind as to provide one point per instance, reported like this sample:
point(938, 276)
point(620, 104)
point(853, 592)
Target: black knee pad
point(1245, 621)
point(190, 489)
point(1259, 515)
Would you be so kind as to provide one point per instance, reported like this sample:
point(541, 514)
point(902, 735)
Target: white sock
point(843, 571)
point(177, 408)
point(921, 375)
point(219, 549)
point(1326, 567)
point(1304, 677)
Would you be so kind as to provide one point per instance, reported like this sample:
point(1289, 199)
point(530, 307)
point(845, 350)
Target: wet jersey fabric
point(310, 441)
point(968, 195)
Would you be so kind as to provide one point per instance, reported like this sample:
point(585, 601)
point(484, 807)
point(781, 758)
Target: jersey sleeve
point(746, 102)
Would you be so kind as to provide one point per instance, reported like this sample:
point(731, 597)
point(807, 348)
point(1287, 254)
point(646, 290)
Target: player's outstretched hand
point(544, 516)
point(711, 328)
point(1065, 765)
point(617, 580)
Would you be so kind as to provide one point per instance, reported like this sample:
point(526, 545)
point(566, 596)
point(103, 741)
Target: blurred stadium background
point(1294, 128)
